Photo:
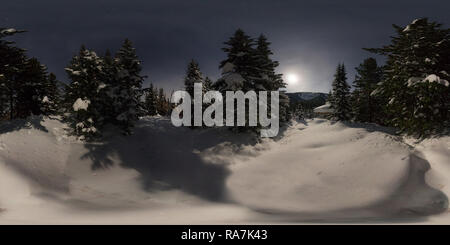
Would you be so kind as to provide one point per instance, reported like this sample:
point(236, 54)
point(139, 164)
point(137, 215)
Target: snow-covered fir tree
point(340, 95)
point(366, 107)
point(51, 101)
point(85, 106)
point(128, 92)
point(11, 65)
point(416, 78)
point(26, 88)
point(248, 67)
point(107, 89)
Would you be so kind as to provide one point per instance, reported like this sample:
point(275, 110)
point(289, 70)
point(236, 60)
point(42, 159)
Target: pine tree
point(193, 75)
point(268, 79)
point(239, 68)
point(12, 63)
point(416, 78)
point(340, 95)
point(82, 95)
point(129, 91)
point(162, 103)
point(109, 87)
point(151, 99)
point(365, 106)
point(51, 101)
point(207, 85)
point(31, 90)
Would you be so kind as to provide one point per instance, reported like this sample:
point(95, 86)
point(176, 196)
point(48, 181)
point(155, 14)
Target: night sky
point(308, 38)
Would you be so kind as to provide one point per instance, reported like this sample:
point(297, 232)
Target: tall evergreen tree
point(31, 91)
point(366, 107)
point(129, 91)
point(151, 100)
point(193, 75)
point(11, 66)
point(416, 78)
point(162, 103)
point(268, 79)
point(207, 85)
point(51, 101)
point(82, 95)
point(109, 87)
point(340, 95)
point(239, 68)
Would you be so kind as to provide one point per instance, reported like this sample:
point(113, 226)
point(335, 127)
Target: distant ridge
point(309, 99)
point(306, 95)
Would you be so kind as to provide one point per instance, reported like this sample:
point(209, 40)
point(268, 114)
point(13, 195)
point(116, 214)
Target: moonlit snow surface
point(314, 171)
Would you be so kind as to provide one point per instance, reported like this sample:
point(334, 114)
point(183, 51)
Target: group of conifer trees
point(102, 90)
point(410, 92)
point(107, 89)
point(26, 88)
point(247, 67)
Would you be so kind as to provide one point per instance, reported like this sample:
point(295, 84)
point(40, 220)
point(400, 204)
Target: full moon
point(292, 78)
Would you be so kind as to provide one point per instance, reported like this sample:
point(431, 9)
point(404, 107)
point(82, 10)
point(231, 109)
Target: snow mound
point(333, 172)
point(315, 171)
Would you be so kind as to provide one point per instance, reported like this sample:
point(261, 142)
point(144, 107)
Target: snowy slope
point(316, 171)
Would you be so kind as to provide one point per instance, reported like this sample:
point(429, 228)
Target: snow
point(436, 79)
point(408, 27)
point(430, 79)
point(315, 171)
point(45, 100)
point(101, 86)
point(75, 73)
point(234, 81)
point(8, 31)
point(227, 68)
point(324, 108)
point(81, 104)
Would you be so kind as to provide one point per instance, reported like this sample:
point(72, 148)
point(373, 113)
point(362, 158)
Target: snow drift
point(315, 171)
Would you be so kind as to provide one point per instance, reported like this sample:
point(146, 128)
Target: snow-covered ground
point(316, 171)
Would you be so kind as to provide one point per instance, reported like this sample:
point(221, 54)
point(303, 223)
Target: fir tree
point(31, 91)
point(51, 100)
point(163, 103)
point(268, 79)
point(82, 95)
point(129, 90)
point(365, 106)
point(340, 95)
point(109, 87)
point(151, 100)
point(193, 75)
point(239, 67)
point(207, 85)
point(11, 65)
point(416, 78)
